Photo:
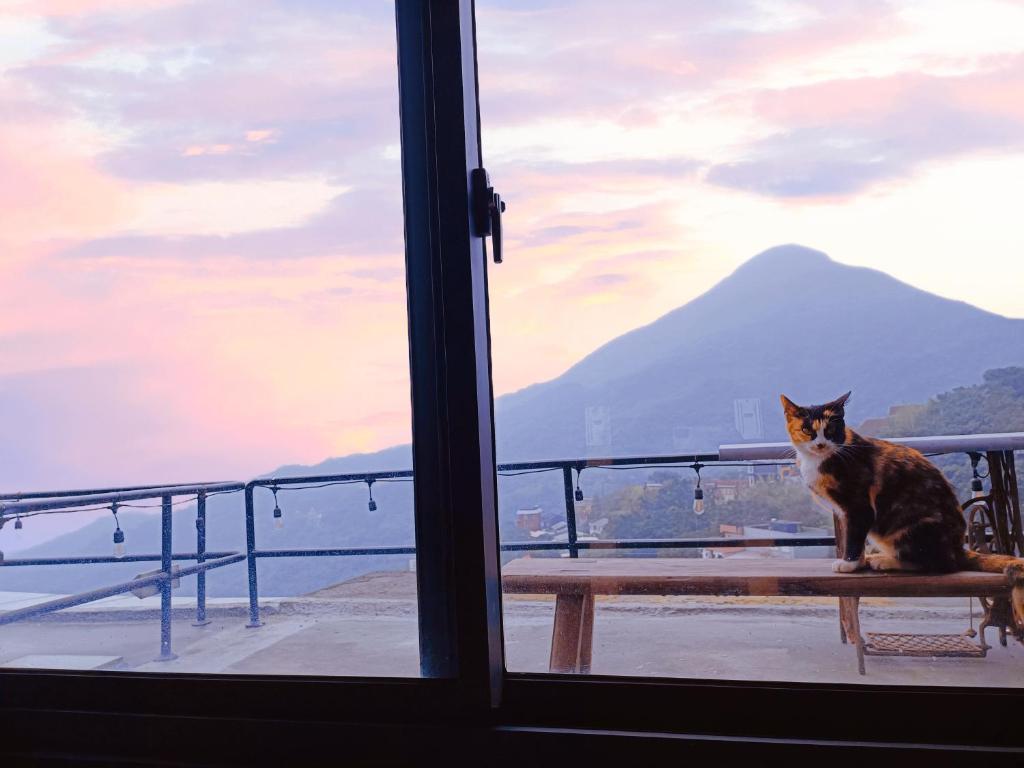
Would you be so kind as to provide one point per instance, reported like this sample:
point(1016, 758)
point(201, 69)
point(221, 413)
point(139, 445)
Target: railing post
point(570, 510)
point(1013, 501)
point(250, 552)
point(1005, 501)
point(165, 582)
point(201, 619)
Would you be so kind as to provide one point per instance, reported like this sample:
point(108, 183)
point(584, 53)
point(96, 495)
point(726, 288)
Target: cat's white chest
point(810, 471)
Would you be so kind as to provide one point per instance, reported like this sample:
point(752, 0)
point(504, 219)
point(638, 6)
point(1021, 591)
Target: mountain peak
point(789, 256)
point(778, 267)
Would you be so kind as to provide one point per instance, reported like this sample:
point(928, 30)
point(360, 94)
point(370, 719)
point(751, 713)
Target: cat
point(890, 496)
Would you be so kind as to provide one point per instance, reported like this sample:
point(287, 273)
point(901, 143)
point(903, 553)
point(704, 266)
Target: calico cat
point(890, 496)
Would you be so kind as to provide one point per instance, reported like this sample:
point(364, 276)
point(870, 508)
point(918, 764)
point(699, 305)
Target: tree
point(666, 509)
point(995, 405)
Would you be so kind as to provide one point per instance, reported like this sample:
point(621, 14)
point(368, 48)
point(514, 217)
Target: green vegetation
point(995, 405)
point(664, 507)
point(667, 511)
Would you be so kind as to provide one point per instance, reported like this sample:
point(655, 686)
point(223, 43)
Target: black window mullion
point(458, 575)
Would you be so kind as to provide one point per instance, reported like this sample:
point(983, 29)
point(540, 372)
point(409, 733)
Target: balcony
point(366, 624)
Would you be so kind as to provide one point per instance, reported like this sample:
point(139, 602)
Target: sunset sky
point(201, 237)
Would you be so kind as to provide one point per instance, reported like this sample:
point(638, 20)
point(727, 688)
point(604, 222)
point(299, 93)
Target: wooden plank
point(587, 633)
point(570, 631)
point(692, 576)
point(849, 620)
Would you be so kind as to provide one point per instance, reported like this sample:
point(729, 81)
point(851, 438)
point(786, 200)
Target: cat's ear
point(792, 409)
point(839, 403)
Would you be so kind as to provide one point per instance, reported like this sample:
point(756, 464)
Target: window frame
point(468, 691)
point(458, 568)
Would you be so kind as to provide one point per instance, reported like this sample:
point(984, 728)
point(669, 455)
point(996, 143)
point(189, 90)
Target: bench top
point(732, 576)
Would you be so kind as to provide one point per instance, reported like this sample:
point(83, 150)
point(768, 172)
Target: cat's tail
point(1013, 567)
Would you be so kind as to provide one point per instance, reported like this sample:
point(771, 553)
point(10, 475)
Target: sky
point(201, 239)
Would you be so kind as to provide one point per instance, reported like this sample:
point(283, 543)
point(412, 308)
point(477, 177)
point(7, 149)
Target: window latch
point(487, 209)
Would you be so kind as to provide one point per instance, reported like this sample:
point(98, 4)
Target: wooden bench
point(575, 582)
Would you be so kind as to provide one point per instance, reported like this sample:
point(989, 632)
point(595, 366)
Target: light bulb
point(278, 518)
point(18, 525)
point(579, 494)
point(372, 505)
point(119, 548)
point(698, 501)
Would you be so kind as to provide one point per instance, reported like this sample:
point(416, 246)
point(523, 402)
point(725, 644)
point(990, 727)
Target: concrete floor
point(759, 644)
point(738, 639)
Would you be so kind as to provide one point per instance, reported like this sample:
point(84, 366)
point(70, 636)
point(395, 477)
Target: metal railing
point(1003, 517)
point(30, 504)
point(1003, 503)
point(573, 545)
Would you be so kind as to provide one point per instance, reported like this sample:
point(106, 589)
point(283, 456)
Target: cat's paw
point(882, 562)
point(846, 566)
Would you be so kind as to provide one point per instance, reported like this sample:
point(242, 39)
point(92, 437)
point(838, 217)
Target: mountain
point(788, 320)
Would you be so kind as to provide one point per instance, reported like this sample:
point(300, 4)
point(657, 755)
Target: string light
point(371, 505)
point(698, 492)
point(578, 495)
point(278, 517)
point(120, 550)
point(977, 487)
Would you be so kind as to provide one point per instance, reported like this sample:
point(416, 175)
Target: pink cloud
point(260, 135)
point(988, 92)
point(37, 160)
point(618, 66)
point(58, 8)
point(836, 138)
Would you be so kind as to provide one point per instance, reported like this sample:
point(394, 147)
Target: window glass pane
point(710, 205)
point(204, 280)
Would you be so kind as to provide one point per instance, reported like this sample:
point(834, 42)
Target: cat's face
point(816, 429)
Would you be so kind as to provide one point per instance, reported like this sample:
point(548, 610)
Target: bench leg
point(587, 634)
point(573, 633)
point(849, 625)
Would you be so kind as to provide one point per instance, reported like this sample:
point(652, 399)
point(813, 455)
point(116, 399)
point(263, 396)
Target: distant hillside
point(994, 405)
point(789, 320)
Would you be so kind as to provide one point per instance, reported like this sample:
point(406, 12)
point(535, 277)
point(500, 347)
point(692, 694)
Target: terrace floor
point(367, 626)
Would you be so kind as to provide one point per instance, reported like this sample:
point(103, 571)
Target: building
point(598, 428)
point(773, 529)
point(790, 473)
point(900, 420)
point(749, 423)
point(529, 519)
point(726, 490)
point(583, 511)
